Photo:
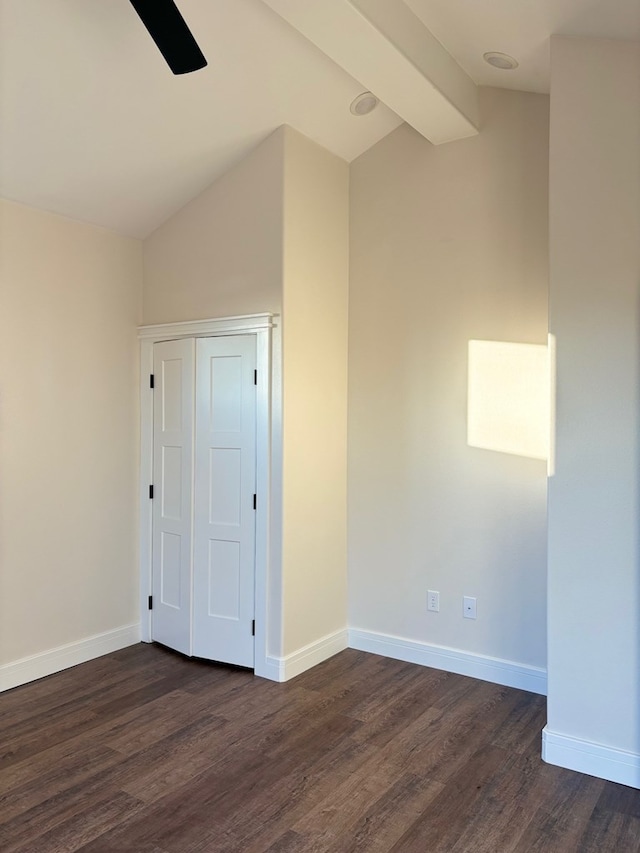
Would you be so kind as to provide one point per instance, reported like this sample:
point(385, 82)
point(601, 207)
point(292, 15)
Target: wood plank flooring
point(144, 751)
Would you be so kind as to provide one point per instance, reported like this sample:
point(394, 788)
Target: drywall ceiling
point(94, 126)
point(521, 28)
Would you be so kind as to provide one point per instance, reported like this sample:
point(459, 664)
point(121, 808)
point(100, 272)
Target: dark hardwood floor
point(146, 752)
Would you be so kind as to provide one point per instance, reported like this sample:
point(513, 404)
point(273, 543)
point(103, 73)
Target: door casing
point(268, 451)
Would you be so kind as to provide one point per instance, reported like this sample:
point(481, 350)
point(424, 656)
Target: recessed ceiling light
point(363, 104)
point(500, 60)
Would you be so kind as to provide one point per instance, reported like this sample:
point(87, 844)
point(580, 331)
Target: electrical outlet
point(433, 600)
point(469, 607)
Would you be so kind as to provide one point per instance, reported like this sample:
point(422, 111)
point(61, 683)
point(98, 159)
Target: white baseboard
point(595, 759)
point(53, 660)
point(506, 672)
point(282, 669)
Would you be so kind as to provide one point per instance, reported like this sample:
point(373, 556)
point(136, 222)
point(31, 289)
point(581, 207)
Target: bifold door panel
point(204, 481)
point(173, 401)
point(224, 528)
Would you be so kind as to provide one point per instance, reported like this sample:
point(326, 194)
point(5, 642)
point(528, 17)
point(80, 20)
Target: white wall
point(594, 512)
point(221, 255)
point(315, 305)
point(70, 301)
point(448, 244)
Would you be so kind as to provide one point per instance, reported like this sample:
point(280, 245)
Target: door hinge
point(255, 501)
point(151, 381)
point(151, 493)
point(255, 377)
point(150, 602)
point(253, 628)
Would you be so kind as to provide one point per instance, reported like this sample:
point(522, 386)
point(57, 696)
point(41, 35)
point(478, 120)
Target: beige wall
point(594, 500)
point(221, 255)
point(315, 305)
point(448, 244)
point(69, 305)
point(272, 235)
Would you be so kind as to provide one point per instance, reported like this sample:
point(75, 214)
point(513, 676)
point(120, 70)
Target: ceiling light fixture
point(363, 104)
point(500, 60)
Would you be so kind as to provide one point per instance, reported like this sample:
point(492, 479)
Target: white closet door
point(224, 519)
point(173, 367)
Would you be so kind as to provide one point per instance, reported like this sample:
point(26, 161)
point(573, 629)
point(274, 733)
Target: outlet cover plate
point(433, 600)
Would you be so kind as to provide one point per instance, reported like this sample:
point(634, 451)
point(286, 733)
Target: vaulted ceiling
point(94, 125)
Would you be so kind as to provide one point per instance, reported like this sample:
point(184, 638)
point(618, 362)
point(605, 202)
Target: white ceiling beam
point(386, 47)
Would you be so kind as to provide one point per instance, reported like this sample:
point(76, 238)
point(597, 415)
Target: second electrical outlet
point(433, 600)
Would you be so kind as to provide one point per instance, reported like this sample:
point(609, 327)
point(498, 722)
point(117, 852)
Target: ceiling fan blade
point(169, 31)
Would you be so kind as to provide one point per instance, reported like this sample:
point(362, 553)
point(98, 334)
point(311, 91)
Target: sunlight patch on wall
point(509, 398)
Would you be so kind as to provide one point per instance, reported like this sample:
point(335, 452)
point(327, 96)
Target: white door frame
point(268, 451)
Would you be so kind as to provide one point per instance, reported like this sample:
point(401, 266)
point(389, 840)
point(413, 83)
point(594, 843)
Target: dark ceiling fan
point(169, 31)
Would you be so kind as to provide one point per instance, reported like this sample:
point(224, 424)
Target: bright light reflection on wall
point(509, 398)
